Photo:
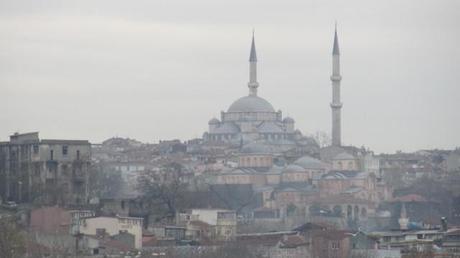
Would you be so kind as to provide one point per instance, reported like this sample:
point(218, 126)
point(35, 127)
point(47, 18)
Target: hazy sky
point(156, 69)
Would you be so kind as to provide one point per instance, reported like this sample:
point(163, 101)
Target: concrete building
point(112, 226)
point(222, 222)
point(47, 171)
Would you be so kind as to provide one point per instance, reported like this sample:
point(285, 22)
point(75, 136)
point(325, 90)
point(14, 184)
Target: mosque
point(252, 119)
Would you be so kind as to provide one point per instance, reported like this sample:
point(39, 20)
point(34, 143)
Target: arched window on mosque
point(350, 165)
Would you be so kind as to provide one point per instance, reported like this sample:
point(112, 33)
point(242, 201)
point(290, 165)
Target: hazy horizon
point(152, 70)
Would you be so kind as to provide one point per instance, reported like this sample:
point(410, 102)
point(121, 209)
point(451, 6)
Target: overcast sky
point(155, 69)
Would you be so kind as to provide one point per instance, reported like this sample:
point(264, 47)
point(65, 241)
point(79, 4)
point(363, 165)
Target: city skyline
point(94, 72)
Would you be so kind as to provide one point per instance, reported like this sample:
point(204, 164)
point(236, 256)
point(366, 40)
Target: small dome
point(288, 120)
point(251, 104)
point(308, 162)
point(293, 168)
point(213, 121)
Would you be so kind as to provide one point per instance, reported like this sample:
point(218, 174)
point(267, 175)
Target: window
point(335, 245)
point(65, 150)
point(78, 154)
point(51, 154)
point(100, 231)
point(35, 149)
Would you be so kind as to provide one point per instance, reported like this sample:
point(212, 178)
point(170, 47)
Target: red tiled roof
point(269, 239)
point(410, 198)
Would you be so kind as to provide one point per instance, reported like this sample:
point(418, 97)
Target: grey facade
point(44, 171)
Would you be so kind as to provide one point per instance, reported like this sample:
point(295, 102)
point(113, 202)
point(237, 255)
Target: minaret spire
point(336, 105)
point(253, 84)
point(335, 50)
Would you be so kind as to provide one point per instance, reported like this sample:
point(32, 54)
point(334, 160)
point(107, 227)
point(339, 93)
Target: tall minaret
point(253, 84)
point(336, 105)
point(403, 220)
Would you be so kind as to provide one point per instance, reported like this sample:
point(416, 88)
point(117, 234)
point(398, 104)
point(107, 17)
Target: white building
point(222, 222)
point(113, 226)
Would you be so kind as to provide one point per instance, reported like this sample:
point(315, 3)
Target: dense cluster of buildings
point(254, 180)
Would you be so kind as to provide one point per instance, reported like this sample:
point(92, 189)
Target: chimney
point(443, 224)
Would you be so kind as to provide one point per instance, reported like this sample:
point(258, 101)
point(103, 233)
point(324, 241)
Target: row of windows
point(221, 137)
point(267, 136)
point(64, 149)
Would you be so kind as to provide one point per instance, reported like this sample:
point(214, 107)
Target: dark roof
point(266, 239)
point(309, 226)
point(70, 142)
point(292, 241)
point(253, 55)
point(332, 234)
point(335, 50)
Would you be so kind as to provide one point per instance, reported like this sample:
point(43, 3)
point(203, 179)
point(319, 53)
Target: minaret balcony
point(253, 84)
point(336, 105)
point(336, 78)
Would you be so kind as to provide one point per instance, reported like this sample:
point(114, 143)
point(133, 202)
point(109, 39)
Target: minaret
point(336, 105)
point(403, 220)
point(253, 84)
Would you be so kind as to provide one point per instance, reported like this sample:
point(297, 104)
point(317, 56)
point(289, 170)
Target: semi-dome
point(227, 128)
point(251, 104)
point(309, 163)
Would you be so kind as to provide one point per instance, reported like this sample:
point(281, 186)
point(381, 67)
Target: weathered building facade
point(45, 171)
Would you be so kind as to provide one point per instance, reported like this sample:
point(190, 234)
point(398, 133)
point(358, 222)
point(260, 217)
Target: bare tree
point(164, 191)
point(231, 198)
point(104, 182)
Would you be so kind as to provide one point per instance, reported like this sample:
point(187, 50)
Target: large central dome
point(251, 103)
